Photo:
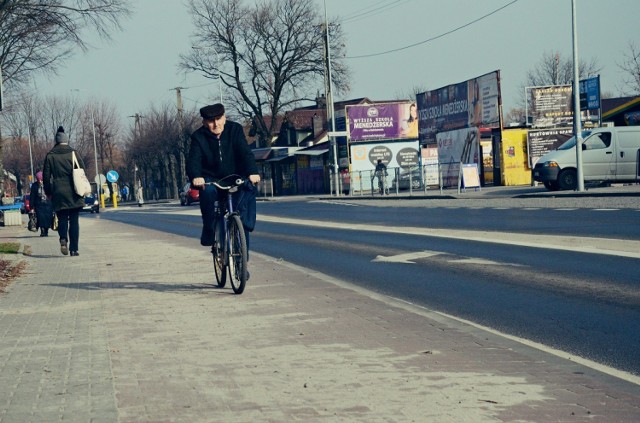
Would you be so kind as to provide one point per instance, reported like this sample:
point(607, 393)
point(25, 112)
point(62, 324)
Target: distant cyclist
point(381, 174)
point(219, 149)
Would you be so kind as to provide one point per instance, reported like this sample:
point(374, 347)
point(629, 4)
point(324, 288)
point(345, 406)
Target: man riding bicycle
point(218, 149)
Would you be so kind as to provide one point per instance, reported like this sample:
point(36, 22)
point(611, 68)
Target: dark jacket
point(42, 205)
point(215, 159)
point(58, 178)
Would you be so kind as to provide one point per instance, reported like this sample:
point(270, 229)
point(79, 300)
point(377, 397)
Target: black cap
point(213, 111)
point(60, 129)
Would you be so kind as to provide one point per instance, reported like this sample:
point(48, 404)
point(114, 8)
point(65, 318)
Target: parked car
point(609, 154)
point(407, 179)
point(189, 195)
point(91, 204)
point(25, 206)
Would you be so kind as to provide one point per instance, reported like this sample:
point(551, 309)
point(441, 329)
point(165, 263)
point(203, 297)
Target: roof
point(614, 106)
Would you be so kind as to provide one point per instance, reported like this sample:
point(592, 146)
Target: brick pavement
point(134, 331)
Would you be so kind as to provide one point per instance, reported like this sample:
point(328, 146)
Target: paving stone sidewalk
point(133, 330)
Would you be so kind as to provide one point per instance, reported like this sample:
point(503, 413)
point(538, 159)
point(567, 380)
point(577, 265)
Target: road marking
point(342, 203)
point(473, 260)
point(406, 257)
point(589, 245)
point(606, 209)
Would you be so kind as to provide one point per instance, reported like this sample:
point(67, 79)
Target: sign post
point(112, 176)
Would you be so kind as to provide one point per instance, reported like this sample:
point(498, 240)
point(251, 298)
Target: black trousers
point(69, 227)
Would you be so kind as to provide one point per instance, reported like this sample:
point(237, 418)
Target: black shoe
point(206, 238)
point(75, 253)
point(63, 247)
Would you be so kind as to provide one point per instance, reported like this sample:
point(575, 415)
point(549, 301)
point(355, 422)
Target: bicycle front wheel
point(219, 263)
point(237, 254)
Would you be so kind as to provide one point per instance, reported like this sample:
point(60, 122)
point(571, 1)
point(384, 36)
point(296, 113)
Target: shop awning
point(261, 153)
point(311, 152)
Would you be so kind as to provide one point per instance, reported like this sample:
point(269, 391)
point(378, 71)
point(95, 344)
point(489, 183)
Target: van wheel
point(551, 185)
point(568, 179)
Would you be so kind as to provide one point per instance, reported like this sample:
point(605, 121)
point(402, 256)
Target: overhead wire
point(370, 13)
point(435, 37)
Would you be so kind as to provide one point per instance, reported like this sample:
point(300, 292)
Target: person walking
point(140, 195)
point(58, 183)
point(41, 205)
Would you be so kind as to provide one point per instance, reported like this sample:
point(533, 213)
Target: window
point(598, 141)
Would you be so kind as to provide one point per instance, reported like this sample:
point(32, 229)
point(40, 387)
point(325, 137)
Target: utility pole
point(330, 107)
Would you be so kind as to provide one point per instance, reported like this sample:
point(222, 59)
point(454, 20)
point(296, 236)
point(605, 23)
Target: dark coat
point(58, 178)
point(215, 159)
point(42, 205)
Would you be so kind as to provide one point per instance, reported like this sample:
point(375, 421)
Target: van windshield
point(571, 142)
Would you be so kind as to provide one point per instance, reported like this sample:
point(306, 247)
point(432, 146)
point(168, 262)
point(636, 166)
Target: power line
point(437, 36)
point(369, 13)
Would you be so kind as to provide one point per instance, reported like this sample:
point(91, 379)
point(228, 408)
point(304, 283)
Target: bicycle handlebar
point(238, 182)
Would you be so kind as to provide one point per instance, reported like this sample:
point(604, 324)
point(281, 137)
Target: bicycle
point(229, 241)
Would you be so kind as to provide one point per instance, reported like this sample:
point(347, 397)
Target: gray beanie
point(61, 137)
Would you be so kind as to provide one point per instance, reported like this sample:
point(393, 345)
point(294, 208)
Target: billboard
point(472, 103)
point(364, 157)
point(385, 121)
point(457, 147)
point(551, 106)
point(541, 142)
point(590, 93)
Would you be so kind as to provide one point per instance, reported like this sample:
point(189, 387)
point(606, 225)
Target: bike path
point(134, 330)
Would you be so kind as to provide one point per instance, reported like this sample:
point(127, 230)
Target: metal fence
point(396, 181)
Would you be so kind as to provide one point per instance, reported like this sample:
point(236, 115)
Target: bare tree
point(631, 67)
point(157, 149)
point(269, 55)
point(411, 93)
point(552, 69)
point(37, 35)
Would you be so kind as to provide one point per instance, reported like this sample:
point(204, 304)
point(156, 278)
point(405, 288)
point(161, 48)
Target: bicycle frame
point(230, 247)
point(221, 224)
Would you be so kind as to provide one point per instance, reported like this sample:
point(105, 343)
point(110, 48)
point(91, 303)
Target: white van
point(609, 154)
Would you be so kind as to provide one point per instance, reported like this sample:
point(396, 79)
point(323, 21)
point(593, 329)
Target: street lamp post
point(30, 154)
point(95, 158)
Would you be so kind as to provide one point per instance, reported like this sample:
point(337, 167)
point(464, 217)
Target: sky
point(138, 67)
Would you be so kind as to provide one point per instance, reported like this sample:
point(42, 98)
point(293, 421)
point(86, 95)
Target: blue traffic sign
point(112, 176)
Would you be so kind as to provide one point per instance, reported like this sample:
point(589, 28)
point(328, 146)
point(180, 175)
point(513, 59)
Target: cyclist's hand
point(198, 182)
point(254, 179)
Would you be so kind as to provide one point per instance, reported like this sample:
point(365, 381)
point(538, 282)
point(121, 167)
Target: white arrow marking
point(406, 257)
point(481, 261)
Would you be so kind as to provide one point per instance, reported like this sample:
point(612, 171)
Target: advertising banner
point(541, 142)
point(382, 122)
point(364, 158)
point(455, 148)
point(551, 106)
point(473, 103)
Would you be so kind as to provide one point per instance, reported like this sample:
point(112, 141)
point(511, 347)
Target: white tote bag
point(80, 182)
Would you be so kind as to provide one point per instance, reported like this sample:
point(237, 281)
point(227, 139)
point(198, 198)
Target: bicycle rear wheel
point(219, 265)
point(237, 254)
